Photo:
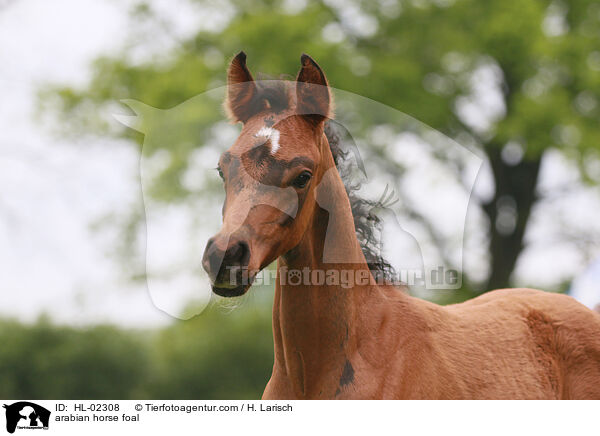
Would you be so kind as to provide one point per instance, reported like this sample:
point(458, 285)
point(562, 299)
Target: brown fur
point(372, 341)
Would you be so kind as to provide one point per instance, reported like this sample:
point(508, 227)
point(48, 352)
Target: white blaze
point(272, 135)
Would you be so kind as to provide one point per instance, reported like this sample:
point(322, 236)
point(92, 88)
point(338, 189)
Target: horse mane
point(368, 225)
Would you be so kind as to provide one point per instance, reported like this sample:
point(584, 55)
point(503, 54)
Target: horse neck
point(316, 326)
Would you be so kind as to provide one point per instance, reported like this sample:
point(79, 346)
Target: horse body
point(378, 342)
point(538, 345)
point(506, 344)
point(370, 341)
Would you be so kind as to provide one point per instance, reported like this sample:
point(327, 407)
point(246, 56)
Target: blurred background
point(518, 83)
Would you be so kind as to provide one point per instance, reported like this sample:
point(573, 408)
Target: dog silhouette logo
point(26, 415)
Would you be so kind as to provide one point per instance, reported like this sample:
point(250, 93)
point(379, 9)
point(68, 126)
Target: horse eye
point(302, 179)
point(220, 172)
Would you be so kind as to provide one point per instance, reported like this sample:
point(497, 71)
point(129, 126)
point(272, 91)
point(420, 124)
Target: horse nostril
point(238, 254)
point(216, 262)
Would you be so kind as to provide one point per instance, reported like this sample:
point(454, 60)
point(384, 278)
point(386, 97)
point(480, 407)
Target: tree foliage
point(47, 361)
point(428, 58)
point(219, 355)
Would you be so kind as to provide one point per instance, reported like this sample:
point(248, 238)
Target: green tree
point(46, 361)
point(217, 355)
point(423, 57)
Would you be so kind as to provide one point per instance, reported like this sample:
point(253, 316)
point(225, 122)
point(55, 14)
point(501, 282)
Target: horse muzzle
point(226, 262)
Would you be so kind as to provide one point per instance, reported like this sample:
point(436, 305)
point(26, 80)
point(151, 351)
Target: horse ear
point(241, 90)
point(314, 100)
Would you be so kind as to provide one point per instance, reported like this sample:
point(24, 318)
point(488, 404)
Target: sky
point(52, 188)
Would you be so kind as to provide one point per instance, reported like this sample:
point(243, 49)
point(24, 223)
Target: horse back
point(524, 343)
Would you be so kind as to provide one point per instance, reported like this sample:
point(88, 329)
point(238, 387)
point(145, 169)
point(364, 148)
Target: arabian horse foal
point(286, 201)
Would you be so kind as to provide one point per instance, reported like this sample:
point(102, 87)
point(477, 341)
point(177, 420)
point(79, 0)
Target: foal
point(285, 200)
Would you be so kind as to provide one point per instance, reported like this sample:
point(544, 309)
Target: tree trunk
point(514, 197)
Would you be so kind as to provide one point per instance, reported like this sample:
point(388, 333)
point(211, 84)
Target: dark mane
point(276, 91)
point(368, 225)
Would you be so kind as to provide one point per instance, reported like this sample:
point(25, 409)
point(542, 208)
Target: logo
point(432, 256)
point(26, 415)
